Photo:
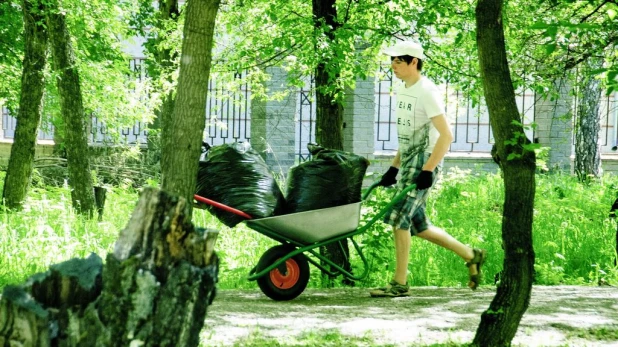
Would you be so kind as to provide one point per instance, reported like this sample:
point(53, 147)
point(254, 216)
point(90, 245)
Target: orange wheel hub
point(286, 281)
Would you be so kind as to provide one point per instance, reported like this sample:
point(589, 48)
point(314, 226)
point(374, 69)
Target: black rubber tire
point(293, 283)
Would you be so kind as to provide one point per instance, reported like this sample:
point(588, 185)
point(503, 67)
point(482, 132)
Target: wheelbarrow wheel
point(283, 286)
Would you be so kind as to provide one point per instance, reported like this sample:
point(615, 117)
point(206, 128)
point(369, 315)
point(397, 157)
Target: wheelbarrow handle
point(377, 184)
point(370, 189)
point(221, 206)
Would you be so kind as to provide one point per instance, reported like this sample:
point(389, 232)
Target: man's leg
point(399, 284)
point(402, 255)
point(444, 239)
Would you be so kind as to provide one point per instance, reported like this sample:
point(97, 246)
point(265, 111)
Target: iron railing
point(305, 124)
point(470, 121)
point(229, 117)
point(228, 112)
point(46, 131)
point(384, 127)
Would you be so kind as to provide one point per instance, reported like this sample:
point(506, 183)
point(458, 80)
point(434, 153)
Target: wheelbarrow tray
point(311, 226)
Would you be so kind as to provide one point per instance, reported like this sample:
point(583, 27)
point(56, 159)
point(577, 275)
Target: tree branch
point(347, 11)
point(573, 61)
point(459, 72)
point(585, 18)
point(264, 63)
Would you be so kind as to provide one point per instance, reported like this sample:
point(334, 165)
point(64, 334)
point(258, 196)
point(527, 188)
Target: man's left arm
point(443, 144)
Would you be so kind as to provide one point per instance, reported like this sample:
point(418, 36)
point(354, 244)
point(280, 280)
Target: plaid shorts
point(409, 212)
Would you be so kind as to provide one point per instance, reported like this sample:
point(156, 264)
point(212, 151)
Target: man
point(425, 136)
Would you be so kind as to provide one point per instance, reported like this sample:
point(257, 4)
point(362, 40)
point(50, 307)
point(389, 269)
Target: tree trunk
point(329, 96)
point(21, 160)
point(162, 70)
point(500, 321)
point(152, 291)
point(184, 133)
point(329, 111)
point(587, 148)
point(75, 137)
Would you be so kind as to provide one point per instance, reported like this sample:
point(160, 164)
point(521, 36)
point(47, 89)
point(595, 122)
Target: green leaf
point(513, 156)
point(532, 146)
point(537, 26)
point(611, 13)
point(516, 122)
point(598, 71)
point(552, 31)
point(550, 48)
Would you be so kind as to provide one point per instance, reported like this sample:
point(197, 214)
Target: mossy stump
point(153, 290)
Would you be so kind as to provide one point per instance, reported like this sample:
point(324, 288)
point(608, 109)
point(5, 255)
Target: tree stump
point(152, 291)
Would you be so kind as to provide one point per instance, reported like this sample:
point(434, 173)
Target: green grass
point(47, 231)
point(607, 333)
point(574, 238)
point(328, 338)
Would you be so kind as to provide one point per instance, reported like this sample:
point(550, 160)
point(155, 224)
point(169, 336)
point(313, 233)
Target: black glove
point(390, 177)
point(424, 180)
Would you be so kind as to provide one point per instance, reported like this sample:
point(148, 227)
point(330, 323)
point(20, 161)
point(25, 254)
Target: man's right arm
point(390, 176)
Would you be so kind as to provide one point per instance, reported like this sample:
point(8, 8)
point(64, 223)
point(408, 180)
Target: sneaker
point(392, 290)
point(388, 286)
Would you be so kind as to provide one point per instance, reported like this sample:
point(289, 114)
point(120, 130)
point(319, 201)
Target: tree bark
point(184, 133)
point(152, 291)
point(500, 321)
point(162, 70)
point(329, 106)
point(588, 127)
point(329, 110)
point(21, 161)
point(76, 140)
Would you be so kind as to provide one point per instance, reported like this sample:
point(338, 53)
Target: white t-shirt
point(415, 107)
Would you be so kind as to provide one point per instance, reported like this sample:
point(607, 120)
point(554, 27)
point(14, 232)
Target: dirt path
point(557, 316)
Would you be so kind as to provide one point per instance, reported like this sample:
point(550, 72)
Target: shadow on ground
point(557, 316)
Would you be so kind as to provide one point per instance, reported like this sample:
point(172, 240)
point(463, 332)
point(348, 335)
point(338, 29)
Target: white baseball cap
point(410, 48)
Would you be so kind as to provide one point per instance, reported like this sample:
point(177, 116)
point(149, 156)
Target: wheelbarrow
point(282, 272)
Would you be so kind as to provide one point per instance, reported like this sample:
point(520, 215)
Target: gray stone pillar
point(358, 119)
point(554, 119)
point(272, 124)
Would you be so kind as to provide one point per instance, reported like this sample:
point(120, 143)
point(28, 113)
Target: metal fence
point(46, 132)
point(99, 133)
point(8, 124)
point(228, 112)
point(229, 117)
point(470, 121)
point(384, 124)
point(305, 124)
point(608, 108)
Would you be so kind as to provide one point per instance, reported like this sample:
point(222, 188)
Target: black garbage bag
point(331, 178)
point(355, 164)
point(236, 175)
